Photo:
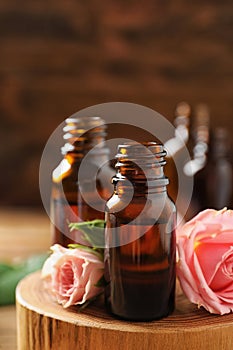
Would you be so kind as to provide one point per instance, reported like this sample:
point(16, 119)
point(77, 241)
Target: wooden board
point(42, 324)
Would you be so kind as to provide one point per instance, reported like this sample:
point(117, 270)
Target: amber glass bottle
point(84, 145)
point(140, 236)
point(213, 184)
point(197, 166)
point(175, 146)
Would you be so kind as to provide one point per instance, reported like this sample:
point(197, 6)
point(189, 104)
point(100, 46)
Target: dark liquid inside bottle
point(143, 287)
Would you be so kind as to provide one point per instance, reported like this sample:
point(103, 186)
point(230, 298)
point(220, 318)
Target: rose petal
point(91, 290)
point(217, 236)
point(196, 288)
point(47, 268)
point(203, 287)
point(223, 277)
point(223, 217)
point(208, 256)
point(187, 281)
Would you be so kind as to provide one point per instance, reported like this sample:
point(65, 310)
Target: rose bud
point(73, 275)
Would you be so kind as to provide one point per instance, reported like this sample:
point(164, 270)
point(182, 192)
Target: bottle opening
point(142, 164)
point(148, 153)
point(83, 134)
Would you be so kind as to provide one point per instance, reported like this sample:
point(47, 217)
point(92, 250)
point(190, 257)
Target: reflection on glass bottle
point(75, 180)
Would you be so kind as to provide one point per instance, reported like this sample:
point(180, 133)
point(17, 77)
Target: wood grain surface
point(43, 324)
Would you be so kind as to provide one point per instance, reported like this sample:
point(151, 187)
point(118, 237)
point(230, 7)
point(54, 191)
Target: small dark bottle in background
point(196, 167)
point(211, 165)
point(217, 175)
point(176, 155)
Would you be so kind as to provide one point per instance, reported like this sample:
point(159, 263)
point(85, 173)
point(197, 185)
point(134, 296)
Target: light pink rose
point(72, 275)
point(205, 265)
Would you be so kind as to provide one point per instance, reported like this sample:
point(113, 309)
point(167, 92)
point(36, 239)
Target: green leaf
point(97, 251)
point(5, 267)
point(8, 283)
point(93, 231)
point(12, 274)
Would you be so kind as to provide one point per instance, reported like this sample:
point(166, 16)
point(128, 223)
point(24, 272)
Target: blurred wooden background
point(57, 57)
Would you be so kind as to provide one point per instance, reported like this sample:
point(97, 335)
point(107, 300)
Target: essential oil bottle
point(140, 251)
point(76, 197)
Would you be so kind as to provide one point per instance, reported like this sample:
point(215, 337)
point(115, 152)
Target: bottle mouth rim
point(145, 152)
point(81, 125)
point(85, 119)
point(152, 146)
point(150, 182)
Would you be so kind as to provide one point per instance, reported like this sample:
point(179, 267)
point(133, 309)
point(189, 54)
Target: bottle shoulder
point(148, 208)
point(64, 170)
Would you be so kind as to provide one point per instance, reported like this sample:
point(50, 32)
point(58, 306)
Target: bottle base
point(139, 317)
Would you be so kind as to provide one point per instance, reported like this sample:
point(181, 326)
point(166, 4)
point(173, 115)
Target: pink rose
point(205, 265)
point(72, 275)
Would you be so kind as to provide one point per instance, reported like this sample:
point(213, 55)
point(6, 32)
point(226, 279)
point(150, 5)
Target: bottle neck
point(201, 138)
point(140, 167)
point(83, 135)
point(181, 134)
